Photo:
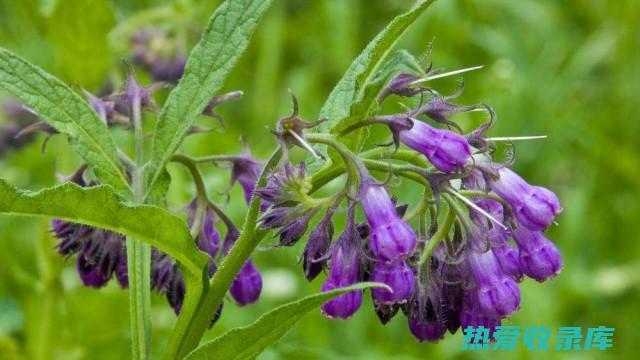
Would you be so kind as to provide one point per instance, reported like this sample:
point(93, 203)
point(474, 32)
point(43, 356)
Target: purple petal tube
point(247, 285)
point(344, 270)
point(540, 259)
point(399, 276)
point(497, 294)
point(209, 239)
point(343, 306)
point(509, 260)
point(391, 237)
point(446, 150)
point(535, 207)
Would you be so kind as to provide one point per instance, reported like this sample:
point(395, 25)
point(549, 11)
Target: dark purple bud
point(162, 271)
point(452, 295)
point(401, 85)
point(294, 230)
point(439, 108)
point(540, 259)
point(446, 150)
point(90, 274)
point(391, 237)
point(431, 331)
point(209, 238)
point(111, 250)
point(535, 207)
point(497, 294)
point(276, 217)
point(399, 276)
point(121, 272)
point(72, 236)
point(314, 255)
point(247, 285)
point(344, 270)
point(176, 290)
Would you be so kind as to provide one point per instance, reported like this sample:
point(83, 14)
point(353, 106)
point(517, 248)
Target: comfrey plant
point(449, 262)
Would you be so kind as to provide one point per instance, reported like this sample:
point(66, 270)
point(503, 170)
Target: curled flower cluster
point(102, 254)
point(456, 269)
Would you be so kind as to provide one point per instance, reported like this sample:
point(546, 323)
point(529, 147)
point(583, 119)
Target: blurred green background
point(566, 69)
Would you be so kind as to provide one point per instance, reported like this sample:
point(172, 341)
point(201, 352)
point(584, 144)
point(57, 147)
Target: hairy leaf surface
point(222, 43)
point(99, 206)
point(249, 341)
point(68, 113)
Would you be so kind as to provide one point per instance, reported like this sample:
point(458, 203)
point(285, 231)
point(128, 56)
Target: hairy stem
point(139, 256)
point(247, 241)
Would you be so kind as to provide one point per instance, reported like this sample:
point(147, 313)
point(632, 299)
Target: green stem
point(433, 242)
point(139, 256)
point(230, 266)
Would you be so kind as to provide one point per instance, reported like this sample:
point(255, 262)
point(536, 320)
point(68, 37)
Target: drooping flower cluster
point(455, 272)
point(102, 254)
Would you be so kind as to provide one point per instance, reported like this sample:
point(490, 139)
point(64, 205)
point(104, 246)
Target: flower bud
point(90, 274)
point(540, 259)
point(446, 150)
point(344, 270)
point(247, 285)
point(294, 230)
point(535, 207)
point(209, 238)
point(431, 331)
point(472, 316)
point(399, 276)
point(391, 237)
point(508, 258)
point(121, 272)
point(313, 257)
point(497, 294)
point(162, 270)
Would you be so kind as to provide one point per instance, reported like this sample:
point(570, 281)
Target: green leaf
point(99, 206)
point(249, 341)
point(351, 88)
point(68, 113)
point(400, 61)
point(222, 43)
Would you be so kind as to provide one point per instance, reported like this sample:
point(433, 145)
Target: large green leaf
point(99, 206)
point(222, 43)
point(68, 113)
point(351, 88)
point(249, 341)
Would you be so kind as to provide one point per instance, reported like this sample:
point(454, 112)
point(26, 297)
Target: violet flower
point(497, 294)
point(535, 207)
point(391, 237)
point(344, 270)
point(247, 286)
point(540, 259)
point(399, 276)
point(446, 150)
